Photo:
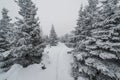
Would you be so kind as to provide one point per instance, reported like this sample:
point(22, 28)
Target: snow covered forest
point(91, 51)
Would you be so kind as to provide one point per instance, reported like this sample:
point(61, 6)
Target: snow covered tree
point(53, 40)
point(82, 35)
point(5, 40)
point(96, 55)
point(29, 45)
point(104, 55)
point(46, 39)
point(65, 38)
point(4, 26)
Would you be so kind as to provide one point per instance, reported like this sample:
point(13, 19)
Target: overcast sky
point(62, 13)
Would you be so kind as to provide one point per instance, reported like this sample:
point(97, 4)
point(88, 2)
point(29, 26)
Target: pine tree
point(5, 40)
point(46, 39)
point(53, 40)
point(4, 26)
point(104, 56)
point(82, 36)
point(29, 45)
point(96, 55)
point(67, 40)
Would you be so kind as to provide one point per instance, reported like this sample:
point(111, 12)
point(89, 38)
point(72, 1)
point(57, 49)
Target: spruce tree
point(96, 55)
point(82, 35)
point(5, 40)
point(104, 56)
point(53, 40)
point(4, 26)
point(29, 45)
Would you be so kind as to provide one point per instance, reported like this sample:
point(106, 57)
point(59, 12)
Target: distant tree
point(5, 40)
point(64, 38)
point(67, 40)
point(53, 40)
point(46, 39)
point(29, 45)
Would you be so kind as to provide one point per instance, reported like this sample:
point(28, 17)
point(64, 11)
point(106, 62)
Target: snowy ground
point(57, 62)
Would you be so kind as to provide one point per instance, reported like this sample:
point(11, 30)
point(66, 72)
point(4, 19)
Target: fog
point(62, 13)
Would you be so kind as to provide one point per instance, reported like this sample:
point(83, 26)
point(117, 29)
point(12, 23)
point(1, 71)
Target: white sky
point(62, 13)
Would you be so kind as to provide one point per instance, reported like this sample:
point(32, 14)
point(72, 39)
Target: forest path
point(59, 68)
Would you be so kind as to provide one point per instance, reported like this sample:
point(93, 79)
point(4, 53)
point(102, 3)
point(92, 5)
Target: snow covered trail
point(58, 67)
point(60, 61)
point(64, 67)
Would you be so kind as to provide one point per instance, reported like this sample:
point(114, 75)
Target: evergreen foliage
point(5, 40)
point(53, 40)
point(96, 39)
point(28, 45)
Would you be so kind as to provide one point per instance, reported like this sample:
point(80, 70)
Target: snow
point(81, 55)
point(108, 56)
point(82, 78)
point(96, 64)
point(57, 61)
point(6, 53)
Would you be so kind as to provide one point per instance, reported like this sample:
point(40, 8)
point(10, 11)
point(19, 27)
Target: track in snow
point(60, 62)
